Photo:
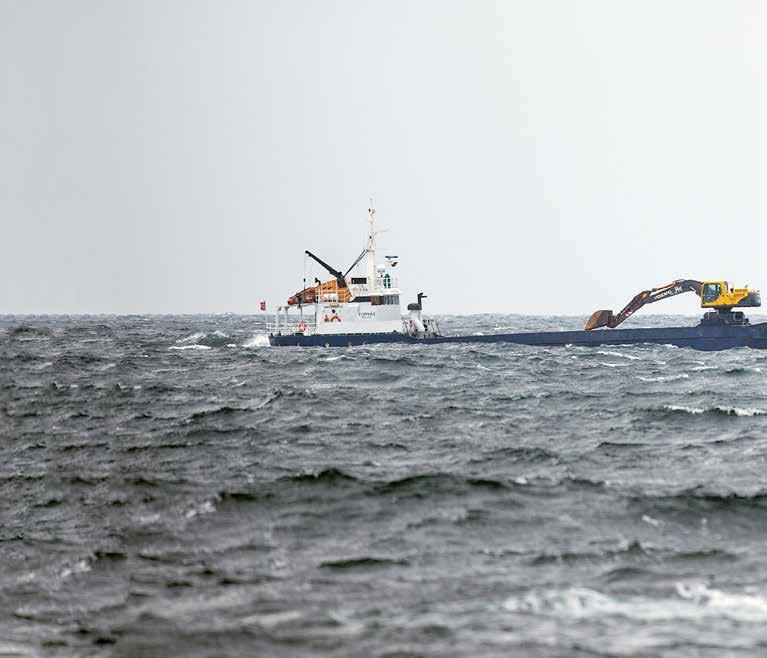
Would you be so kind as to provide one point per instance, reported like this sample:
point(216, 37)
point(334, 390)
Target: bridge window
point(378, 300)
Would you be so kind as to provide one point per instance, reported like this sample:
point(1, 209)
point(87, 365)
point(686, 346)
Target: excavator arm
point(605, 318)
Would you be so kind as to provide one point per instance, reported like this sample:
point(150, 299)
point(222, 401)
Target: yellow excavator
point(716, 295)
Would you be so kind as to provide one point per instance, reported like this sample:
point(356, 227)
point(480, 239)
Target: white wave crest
point(258, 340)
point(695, 601)
point(191, 339)
point(669, 378)
point(189, 347)
point(212, 339)
point(689, 410)
point(726, 411)
point(81, 566)
point(620, 355)
point(206, 507)
point(736, 411)
point(739, 607)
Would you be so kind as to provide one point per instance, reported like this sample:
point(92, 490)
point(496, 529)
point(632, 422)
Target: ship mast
point(371, 249)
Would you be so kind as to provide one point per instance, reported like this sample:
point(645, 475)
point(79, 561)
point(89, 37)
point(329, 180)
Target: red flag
point(263, 305)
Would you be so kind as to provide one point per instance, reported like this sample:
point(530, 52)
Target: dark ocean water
point(171, 487)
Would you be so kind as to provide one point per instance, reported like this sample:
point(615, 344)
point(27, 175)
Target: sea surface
point(171, 486)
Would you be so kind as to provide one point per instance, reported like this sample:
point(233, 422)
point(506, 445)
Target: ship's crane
point(715, 295)
point(339, 286)
point(340, 278)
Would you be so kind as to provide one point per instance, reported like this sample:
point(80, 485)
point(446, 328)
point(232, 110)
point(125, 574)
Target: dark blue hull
point(708, 338)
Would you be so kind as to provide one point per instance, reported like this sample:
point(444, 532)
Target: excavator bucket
point(599, 319)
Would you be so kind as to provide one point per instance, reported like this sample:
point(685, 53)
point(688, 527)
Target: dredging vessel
point(363, 310)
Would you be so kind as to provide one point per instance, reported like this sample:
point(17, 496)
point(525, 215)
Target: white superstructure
point(353, 305)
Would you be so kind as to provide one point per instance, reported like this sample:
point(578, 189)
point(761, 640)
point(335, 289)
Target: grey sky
point(528, 157)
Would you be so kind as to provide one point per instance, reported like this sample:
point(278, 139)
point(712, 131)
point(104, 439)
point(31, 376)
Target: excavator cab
point(719, 295)
point(711, 292)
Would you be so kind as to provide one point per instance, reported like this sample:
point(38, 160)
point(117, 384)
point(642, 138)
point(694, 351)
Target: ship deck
point(700, 337)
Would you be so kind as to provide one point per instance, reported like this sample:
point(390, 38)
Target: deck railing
point(292, 324)
point(430, 325)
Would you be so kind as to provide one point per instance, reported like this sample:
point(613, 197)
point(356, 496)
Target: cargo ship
point(365, 309)
point(351, 309)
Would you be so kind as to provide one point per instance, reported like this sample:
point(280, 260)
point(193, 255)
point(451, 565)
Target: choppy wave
point(326, 476)
point(425, 485)
point(700, 499)
point(693, 601)
point(201, 339)
point(620, 355)
point(438, 483)
point(666, 378)
point(742, 370)
point(224, 410)
point(528, 455)
point(364, 562)
point(715, 410)
point(29, 331)
point(376, 498)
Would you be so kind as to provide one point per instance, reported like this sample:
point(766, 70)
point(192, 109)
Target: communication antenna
point(371, 248)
